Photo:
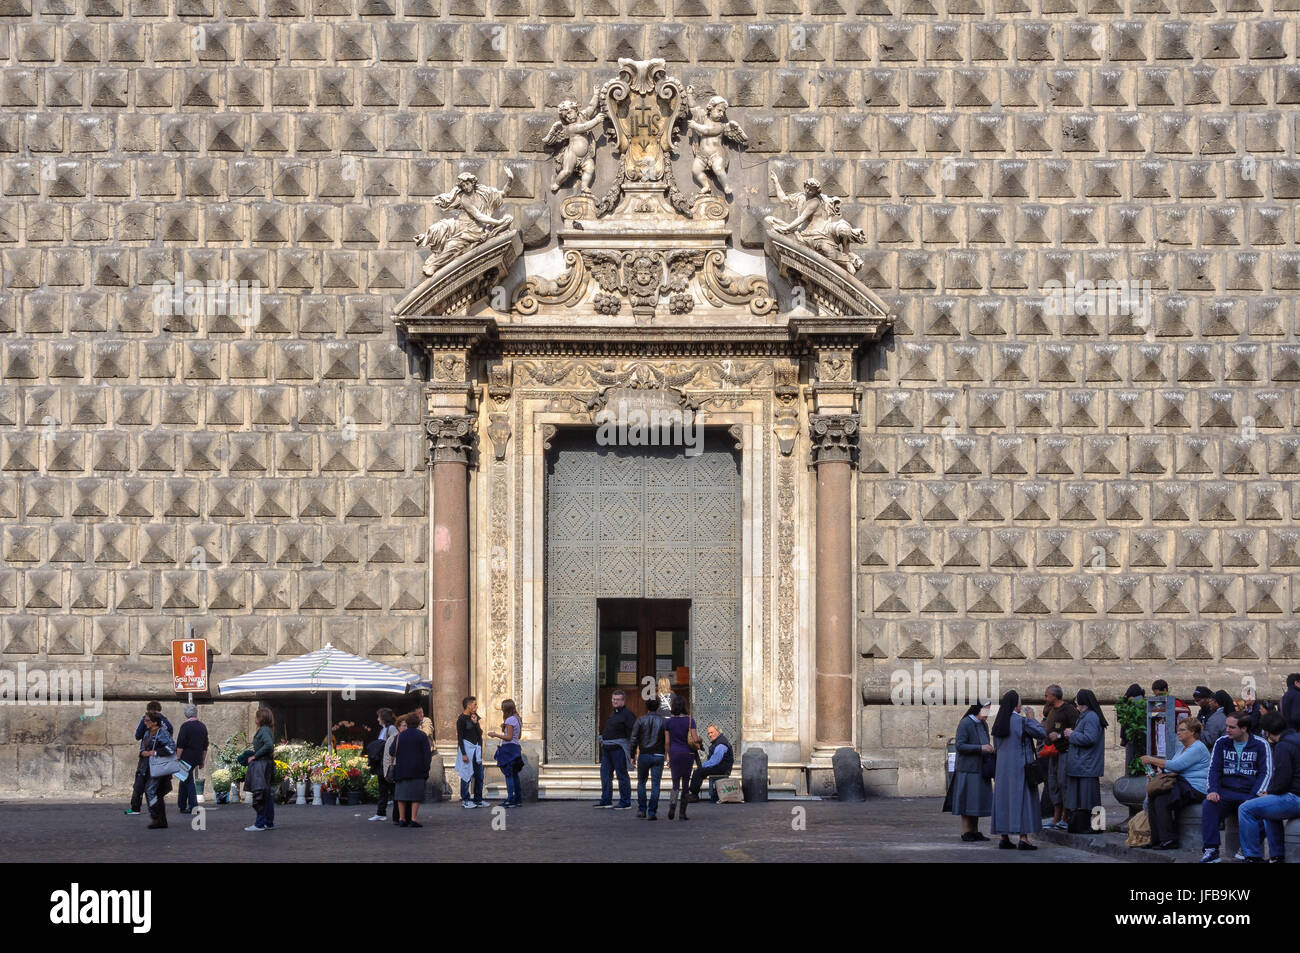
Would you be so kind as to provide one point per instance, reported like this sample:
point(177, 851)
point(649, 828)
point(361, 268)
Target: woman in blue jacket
point(1085, 760)
point(1192, 765)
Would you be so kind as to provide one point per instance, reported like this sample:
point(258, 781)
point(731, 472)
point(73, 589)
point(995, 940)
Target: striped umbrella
point(326, 670)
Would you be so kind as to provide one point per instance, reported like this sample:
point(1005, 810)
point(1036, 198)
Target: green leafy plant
point(372, 787)
point(1132, 715)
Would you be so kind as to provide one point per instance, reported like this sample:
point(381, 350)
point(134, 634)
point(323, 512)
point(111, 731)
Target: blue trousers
point(187, 796)
point(264, 802)
point(1211, 812)
point(514, 795)
point(478, 785)
point(653, 766)
point(1272, 810)
point(613, 760)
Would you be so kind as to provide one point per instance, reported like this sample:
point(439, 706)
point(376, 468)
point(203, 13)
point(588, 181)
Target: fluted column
point(451, 438)
point(834, 444)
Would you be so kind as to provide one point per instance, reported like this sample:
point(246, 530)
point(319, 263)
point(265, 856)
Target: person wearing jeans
point(469, 752)
point(510, 755)
point(1283, 799)
point(616, 754)
point(719, 763)
point(1241, 769)
point(192, 748)
point(648, 737)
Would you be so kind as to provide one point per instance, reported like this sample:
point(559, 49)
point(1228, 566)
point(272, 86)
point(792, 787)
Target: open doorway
point(640, 639)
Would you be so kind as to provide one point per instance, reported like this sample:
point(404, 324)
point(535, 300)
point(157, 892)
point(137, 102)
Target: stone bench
point(1189, 831)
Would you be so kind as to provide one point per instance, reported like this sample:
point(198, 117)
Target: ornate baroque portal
point(642, 302)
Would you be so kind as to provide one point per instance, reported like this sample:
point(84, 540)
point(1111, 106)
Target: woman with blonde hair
point(510, 755)
point(666, 695)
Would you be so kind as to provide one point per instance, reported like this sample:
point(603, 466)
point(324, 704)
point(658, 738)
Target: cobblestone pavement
point(894, 829)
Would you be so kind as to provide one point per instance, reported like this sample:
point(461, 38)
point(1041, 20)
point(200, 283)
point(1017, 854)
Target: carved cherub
point(473, 223)
point(708, 126)
point(579, 152)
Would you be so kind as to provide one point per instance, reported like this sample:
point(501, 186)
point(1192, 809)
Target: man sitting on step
point(718, 764)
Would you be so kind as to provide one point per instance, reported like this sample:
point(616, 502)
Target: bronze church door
point(647, 525)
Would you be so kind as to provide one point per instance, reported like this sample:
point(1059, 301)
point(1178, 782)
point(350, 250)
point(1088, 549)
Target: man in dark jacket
point(649, 743)
point(616, 754)
point(192, 748)
point(720, 761)
point(1241, 768)
point(1290, 706)
point(1058, 714)
point(1282, 800)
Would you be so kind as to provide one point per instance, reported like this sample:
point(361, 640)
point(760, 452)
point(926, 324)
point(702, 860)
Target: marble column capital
point(451, 437)
point(834, 438)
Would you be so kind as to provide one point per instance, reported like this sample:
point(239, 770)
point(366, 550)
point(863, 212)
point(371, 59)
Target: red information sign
point(190, 665)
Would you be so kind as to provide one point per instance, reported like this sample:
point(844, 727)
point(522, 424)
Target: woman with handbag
point(1015, 798)
point(157, 746)
point(1184, 780)
point(1085, 761)
point(412, 759)
point(683, 743)
point(971, 793)
point(261, 772)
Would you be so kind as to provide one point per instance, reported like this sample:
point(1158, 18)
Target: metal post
point(329, 720)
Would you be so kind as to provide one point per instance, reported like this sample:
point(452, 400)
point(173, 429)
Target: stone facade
point(1075, 498)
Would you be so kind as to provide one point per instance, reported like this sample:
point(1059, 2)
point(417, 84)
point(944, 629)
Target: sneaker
point(512, 804)
point(623, 807)
point(129, 811)
point(1252, 860)
point(1061, 826)
point(480, 804)
point(640, 814)
point(1209, 856)
point(600, 806)
point(1238, 856)
point(254, 827)
point(377, 817)
point(1277, 860)
point(468, 805)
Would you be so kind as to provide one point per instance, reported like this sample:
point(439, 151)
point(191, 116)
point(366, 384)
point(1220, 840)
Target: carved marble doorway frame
point(775, 664)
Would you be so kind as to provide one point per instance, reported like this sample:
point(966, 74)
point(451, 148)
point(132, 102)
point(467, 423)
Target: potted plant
point(335, 777)
point(372, 787)
point(356, 784)
point(298, 773)
point(1131, 789)
point(221, 784)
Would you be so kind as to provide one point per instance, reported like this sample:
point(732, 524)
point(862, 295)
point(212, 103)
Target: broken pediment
point(645, 252)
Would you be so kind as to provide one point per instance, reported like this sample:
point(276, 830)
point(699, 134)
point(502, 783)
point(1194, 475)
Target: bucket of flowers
point(299, 773)
point(356, 783)
point(335, 777)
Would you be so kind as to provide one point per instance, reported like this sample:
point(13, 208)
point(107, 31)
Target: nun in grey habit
point(1015, 803)
point(972, 793)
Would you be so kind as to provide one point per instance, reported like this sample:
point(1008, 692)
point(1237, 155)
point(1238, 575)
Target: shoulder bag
point(392, 768)
point(692, 738)
point(1035, 770)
